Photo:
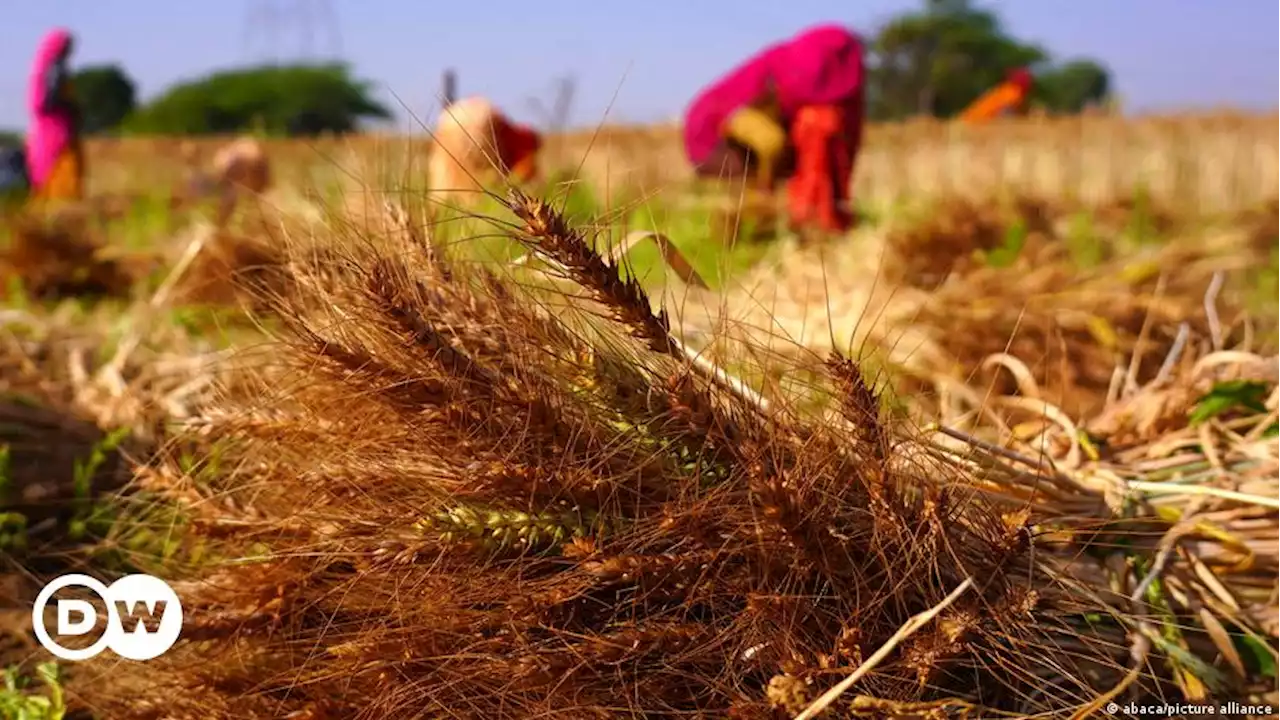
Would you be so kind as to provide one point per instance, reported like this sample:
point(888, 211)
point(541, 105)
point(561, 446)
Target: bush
point(276, 100)
point(106, 95)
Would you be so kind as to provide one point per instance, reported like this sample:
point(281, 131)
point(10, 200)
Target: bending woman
point(55, 160)
point(1010, 96)
point(471, 136)
point(793, 111)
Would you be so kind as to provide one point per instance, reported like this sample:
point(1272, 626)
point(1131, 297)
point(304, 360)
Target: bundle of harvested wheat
point(59, 256)
point(127, 369)
point(465, 505)
point(1264, 227)
point(234, 268)
point(58, 469)
point(1134, 214)
point(244, 263)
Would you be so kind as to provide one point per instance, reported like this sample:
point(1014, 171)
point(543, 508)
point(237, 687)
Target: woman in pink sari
point(55, 160)
point(795, 110)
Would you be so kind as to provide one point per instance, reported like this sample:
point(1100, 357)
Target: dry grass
point(940, 303)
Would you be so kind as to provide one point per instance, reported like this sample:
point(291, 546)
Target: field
point(1213, 163)
point(1008, 449)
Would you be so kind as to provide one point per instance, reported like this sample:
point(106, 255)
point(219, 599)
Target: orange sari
point(1008, 95)
point(66, 179)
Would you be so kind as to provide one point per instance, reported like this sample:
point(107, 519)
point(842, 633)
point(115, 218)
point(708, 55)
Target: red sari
point(826, 139)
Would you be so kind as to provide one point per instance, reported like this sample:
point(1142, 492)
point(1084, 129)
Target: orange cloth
point(1005, 96)
point(818, 191)
point(66, 179)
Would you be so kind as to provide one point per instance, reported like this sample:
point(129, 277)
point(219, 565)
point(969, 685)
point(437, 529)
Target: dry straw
point(1220, 162)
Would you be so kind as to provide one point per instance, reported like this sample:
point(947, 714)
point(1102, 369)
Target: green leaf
point(1230, 395)
point(48, 673)
point(1257, 655)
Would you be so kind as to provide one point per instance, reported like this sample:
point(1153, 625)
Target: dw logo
point(133, 603)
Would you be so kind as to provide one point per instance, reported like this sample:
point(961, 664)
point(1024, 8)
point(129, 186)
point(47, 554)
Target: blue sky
point(1164, 54)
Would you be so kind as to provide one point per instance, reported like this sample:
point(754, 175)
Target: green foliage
point(6, 481)
point(1256, 653)
point(1247, 395)
point(106, 96)
point(275, 100)
point(938, 60)
point(1141, 227)
point(17, 703)
point(1265, 281)
point(1015, 238)
point(1083, 243)
point(1072, 86)
point(13, 525)
point(13, 532)
point(82, 482)
point(16, 293)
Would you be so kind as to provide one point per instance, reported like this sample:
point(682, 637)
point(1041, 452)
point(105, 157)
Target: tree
point(1073, 86)
point(106, 96)
point(938, 60)
point(277, 100)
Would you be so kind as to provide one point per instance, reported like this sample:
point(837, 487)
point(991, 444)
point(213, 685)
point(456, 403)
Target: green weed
point(17, 702)
point(1082, 242)
point(85, 519)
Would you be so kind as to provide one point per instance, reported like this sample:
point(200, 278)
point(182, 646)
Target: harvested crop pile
point(1079, 331)
point(1264, 228)
point(955, 234)
point(60, 257)
point(57, 469)
point(1075, 327)
point(134, 369)
point(84, 405)
point(245, 260)
point(477, 507)
point(1188, 467)
point(233, 268)
point(1134, 214)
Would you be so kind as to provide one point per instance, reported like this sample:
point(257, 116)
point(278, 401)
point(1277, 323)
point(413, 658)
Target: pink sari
point(52, 132)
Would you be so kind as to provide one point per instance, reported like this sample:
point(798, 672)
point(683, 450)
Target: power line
point(278, 30)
